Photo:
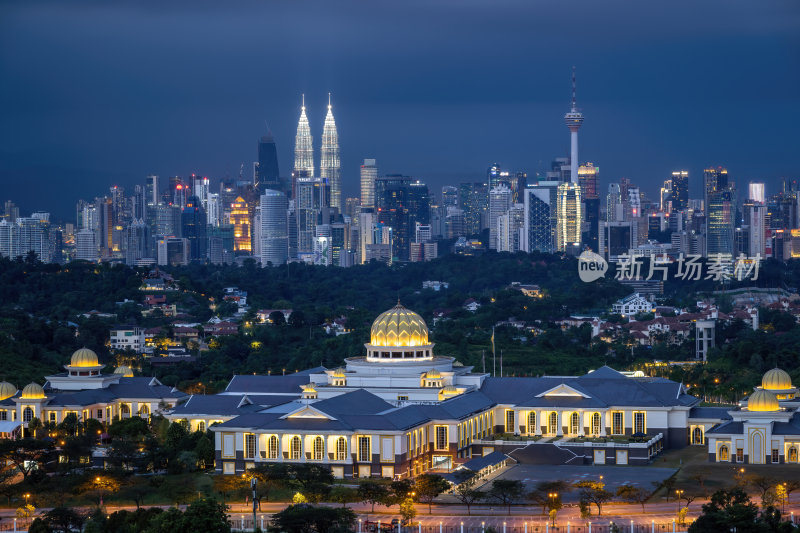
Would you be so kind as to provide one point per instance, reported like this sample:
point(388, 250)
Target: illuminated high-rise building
point(588, 176)
point(540, 217)
point(665, 197)
point(473, 199)
point(569, 217)
point(369, 173)
point(499, 204)
point(573, 120)
point(330, 167)
point(756, 192)
point(240, 219)
point(679, 193)
point(714, 179)
point(193, 228)
point(274, 236)
point(304, 144)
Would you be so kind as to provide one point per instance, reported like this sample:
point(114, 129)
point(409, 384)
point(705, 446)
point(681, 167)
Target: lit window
point(617, 426)
point(319, 448)
point(441, 437)
point(27, 414)
point(638, 423)
point(596, 424)
point(364, 449)
point(722, 454)
point(532, 423)
point(341, 449)
point(249, 445)
point(295, 448)
point(552, 426)
point(273, 447)
point(509, 421)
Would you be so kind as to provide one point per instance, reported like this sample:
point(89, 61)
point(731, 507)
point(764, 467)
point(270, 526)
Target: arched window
point(697, 436)
point(552, 427)
point(295, 448)
point(793, 454)
point(341, 449)
point(319, 448)
point(723, 454)
point(596, 424)
point(201, 426)
point(532, 423)
point(27, 414)
point(124, 410)
point(144, 411)
point(272, 447)
point(574, 423)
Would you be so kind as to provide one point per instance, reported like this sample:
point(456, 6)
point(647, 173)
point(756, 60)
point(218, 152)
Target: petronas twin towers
point(330, 167)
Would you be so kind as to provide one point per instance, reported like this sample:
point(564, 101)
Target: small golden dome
point(32, 391)
point(433, 374)
point(449, 390)
point(309, 388)
point(7, 390)
point(762, 401)
point(399, 327)
point(339, 373)
point(84, 358)
point(776, 380)
point(125, 371)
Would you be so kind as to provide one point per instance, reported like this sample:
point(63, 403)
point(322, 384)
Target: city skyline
point(426, 108)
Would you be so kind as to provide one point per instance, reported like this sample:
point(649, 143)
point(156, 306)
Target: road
point(451, 517)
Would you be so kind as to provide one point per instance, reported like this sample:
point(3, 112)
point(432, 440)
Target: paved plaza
point(612, 476)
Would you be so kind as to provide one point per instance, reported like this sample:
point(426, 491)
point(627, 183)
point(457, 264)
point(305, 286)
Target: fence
point(244, 523)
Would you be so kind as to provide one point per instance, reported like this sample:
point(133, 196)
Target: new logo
point(591, 266)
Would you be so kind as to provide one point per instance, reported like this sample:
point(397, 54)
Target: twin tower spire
point(330, 168)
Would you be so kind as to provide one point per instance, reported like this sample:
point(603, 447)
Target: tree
point(506, 491)
point(763, 485)
point(791, 486)
point(269, 476)
point(304, 518)
point(594, 492)
point(465, 490)
point(428, 487)
point(277, 318)
point(26, 454)
point(400, 489)
point(63, 519)
point(101, 484)
point(225, 485)
point(407, 510)
point(371, 492)
point(344, 495)
point(541, 495)
point(632, 494)
point(34, 426)
point(206, 515)
point(728, 509)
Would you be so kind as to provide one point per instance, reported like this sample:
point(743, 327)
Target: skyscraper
point(330, 167)
point(499, 204)
point(720, 206)
point(369, 172)
point(193, 228)
point(573, 120)
point(152, 190)
point(304, 144)
point(680, 190)
point(570, 217)
point(274, 236)
point(267, 175)
point(588, 175)
point(240, 218)
point(473, 199)
point(540, 217)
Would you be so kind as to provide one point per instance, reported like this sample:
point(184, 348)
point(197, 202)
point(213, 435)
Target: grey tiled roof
point(604, 386)
point(358, 401)
point(712, 413)
point(221, 405)
point(727, 427)
point(290, 384)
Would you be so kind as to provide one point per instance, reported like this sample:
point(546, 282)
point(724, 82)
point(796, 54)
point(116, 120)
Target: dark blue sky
point(100, 93)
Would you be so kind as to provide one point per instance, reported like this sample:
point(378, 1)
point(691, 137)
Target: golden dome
point(339, 373)
point(125, 371)
point(84, 358)
point(762, 401)
point(309, 388)
point(32, 391)
point(399, 327)
point(433, 374)
point(777, 380)
point(7, 390)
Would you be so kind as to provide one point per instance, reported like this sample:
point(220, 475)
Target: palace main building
point(401, 410)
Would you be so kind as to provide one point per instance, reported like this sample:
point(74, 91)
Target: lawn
point(694, 467)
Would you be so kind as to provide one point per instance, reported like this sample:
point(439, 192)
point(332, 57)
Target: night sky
point(100, 93)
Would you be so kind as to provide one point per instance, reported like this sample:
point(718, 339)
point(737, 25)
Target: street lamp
point(253, 483)
point(679, 492)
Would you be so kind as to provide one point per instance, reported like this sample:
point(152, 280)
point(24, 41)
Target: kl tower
point(573, 119)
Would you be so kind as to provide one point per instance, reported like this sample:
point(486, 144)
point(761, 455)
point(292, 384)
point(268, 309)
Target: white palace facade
point(400, 410)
